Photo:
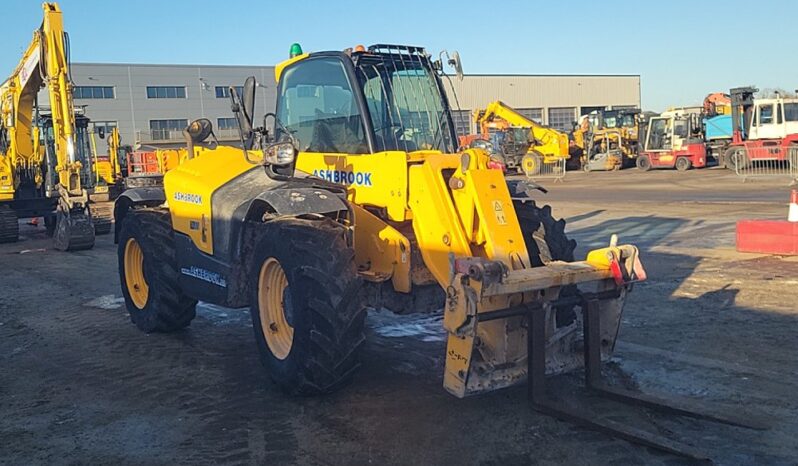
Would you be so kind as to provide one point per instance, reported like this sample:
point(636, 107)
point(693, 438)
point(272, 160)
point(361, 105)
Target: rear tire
point(643, 163)
point(321, 301)
point(164, 307)
point(683, 164)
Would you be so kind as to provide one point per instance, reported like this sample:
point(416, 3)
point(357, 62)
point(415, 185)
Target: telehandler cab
point(357, 197)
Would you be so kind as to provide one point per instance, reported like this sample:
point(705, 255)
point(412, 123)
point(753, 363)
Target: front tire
point(531, 164)
point(544, 236)
point(643, 163)
point(307, 311)
point(736, 158)
point(148, 272)
point(546, 241)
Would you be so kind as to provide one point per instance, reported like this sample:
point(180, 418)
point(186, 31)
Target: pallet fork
point(541, 401)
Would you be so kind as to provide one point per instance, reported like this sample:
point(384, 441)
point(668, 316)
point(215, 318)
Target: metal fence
point(765, 162)
point(554, 170)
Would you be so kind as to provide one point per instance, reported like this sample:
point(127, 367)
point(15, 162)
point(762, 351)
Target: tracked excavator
point(353, 194)
point(92, 170)
point(43, 179)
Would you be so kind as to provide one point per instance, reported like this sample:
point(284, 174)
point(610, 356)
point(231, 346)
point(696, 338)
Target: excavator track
point(102, 216)
point(9, 225)
point(74, 230)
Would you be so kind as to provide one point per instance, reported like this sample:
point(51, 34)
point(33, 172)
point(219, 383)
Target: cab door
point(766, 122)
point(320, 104)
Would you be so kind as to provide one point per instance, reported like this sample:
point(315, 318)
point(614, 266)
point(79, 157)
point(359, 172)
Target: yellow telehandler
point(547, 145)
point(353, 194)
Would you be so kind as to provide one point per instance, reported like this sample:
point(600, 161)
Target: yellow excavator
point(108, 168)
point(43, 179)
point(547, 145)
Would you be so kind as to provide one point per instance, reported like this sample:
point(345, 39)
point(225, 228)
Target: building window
point(588, 110)
point(562, 118)
point(164, 130)
point(462, 122)
point(105, 126)
point(534, 114)
point(93, 92)
point(166, 92)
point(227, 123)
point(223, 92)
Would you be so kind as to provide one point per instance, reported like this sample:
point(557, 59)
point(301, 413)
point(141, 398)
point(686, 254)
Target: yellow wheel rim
point(134, 274)
point(279, 334)
point(529, 164)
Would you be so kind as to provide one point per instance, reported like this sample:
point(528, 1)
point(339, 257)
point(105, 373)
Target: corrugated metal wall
point(548, 91)
point(554, 98)
point(551, 95)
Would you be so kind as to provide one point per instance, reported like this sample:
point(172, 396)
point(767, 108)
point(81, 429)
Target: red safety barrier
point(767, 236)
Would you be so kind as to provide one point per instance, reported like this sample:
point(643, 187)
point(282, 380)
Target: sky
point(682, 49)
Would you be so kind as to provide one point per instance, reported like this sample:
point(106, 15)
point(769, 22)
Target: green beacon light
point(296, 50)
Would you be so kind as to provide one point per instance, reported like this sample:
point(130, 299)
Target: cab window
point(791, 112)
point(659, 135)
point(317, 105)
point(766, 115)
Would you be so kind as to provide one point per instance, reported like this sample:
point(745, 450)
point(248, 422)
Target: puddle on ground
point(108, 302)
point(219, 315)
point(425, 327)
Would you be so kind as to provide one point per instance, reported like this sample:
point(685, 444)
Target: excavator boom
point(35, 182)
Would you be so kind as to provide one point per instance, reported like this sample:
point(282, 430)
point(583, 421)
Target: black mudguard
point(148, 197)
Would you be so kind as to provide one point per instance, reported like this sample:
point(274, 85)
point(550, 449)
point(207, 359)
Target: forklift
point(672, 140)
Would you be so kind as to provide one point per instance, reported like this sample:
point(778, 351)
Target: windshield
point(628, 121)
point(405, 103)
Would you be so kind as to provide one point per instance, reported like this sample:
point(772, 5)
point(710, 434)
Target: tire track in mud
point(209, 377)
point(205, 398)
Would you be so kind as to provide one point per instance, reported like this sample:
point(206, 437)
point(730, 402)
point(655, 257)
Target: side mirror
point(454, 62)
point(279, 154)
point(199, 130)
point(248, 99)
point(101, 132)
point(487, 146)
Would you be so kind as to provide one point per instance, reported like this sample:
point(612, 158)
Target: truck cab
point(773, 118)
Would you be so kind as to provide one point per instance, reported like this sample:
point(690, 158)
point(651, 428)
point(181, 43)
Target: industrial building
point(151, 104)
